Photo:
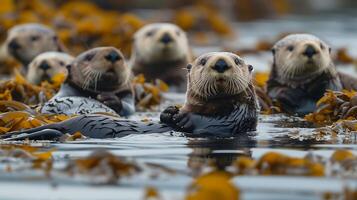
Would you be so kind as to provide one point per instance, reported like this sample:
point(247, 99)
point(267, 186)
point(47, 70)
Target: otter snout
point(44, 66)
point(166, 38)
point(14, 45)
point(221, 66)
point(113, 57)
point(310, 51)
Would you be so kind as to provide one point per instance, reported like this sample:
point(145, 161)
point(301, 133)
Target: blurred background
point(247, 27)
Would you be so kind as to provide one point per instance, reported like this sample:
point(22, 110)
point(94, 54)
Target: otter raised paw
point(220, 97)
point(221, 101)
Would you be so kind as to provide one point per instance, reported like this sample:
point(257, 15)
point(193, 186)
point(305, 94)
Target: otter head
point(46, 65)
point(300, 56)
point(160, 42)
point(99, 69)
point(218, 74)
point(24, 42)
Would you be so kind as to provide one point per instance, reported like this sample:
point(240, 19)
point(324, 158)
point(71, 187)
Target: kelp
point(18, 89)
point(211, 186)
point(343, 164)
point(18, 116)
point(267, 105)
point(343, 56)
point(40, 159)
point(103, 164)
point(202, 18)
point(334, 106)
point(79, 24)
point(148, 95)
point(273, 163)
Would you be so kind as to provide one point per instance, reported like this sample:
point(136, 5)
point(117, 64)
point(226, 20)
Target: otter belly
point(75, 106)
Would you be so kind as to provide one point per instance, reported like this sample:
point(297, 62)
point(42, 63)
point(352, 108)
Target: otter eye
point(61, 63)
point(203, 61)
point(89, 57)
point(238, 61)
point(150, 33)
point(290, 48)
point(35, 38)
point(322, 46)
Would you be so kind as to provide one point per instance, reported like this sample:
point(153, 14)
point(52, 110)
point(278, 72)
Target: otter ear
point(273, 51)
point(250, 68)
point(188, 67)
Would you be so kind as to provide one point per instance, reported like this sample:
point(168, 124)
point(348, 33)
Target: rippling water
point(186, 155)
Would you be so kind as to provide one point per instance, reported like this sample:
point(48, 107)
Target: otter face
point(25, 42)
point(219, 73)
point(300, 55)
point(160, 42)
point(46, 65)
point(100, 69)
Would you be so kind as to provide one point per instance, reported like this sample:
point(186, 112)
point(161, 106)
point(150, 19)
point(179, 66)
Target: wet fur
point(84, 80)
point(298, 94)
point(230, 114)
point(155, 61)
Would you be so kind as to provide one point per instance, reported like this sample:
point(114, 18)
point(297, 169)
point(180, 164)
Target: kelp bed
point(286, 158)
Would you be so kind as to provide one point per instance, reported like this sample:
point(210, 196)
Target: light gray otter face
point(46, 65)
point(301, 55)
point(100, 69)
point(219, 73)
point(160, 42)
point(24, 42)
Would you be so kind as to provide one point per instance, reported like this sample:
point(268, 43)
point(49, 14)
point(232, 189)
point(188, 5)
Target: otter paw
point(111, 101)
point(182, 122)
point(166, 116)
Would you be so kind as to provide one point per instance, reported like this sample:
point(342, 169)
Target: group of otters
point(220, 95)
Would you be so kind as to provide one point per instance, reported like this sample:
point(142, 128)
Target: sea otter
point(98, 81)
point(161, 51)
point(220, 101)
point(25, 41)
point(46, 65)
point(302, 72)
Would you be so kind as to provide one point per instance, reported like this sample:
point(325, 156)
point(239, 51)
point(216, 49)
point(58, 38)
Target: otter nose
point(166, 38)
point(113, 56)
point(14, 45)
point(220, 66)
point(310, 51)
point(44, 66)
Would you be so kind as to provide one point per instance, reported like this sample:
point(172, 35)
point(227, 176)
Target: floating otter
point(161, 51)
point(301, 73)
point(98, 81)
point(220, 101)
point(24, 42)
point(46, 65)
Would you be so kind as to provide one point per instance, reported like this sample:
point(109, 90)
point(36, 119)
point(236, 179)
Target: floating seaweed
point(334, 106)
point(266, 104)
point(148, 95)
point(213, 185)
point(342, 163)
point(102, 164)
point(18, 89)
point(18, 116)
